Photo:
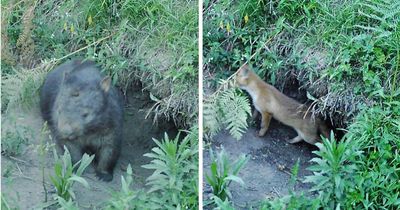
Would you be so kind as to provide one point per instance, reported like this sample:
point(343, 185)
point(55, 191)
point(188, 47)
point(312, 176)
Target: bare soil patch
point(268, 172)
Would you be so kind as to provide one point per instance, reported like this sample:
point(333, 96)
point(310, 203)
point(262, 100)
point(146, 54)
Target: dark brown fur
point(85, 114)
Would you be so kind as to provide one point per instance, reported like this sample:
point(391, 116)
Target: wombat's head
point(81, 103)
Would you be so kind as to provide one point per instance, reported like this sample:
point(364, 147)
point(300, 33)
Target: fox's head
point(244, 76)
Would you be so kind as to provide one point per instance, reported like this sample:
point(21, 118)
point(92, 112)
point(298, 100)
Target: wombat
point(84, 113)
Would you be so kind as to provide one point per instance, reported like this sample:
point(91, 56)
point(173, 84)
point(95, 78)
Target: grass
point(14, 137)
point(154, 43)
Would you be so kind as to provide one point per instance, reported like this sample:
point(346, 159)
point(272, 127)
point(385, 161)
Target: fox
point(270, 102)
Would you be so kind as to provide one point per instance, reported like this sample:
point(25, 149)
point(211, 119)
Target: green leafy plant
point(12, 143)
point(127, 198)
point(6, 204)
point(66, 174)
point(223, 171)
point(173, 184)
point(376, 132)
point(334, 171)
point(175, 177)
point(67, 205)
point(14, 139)
point(292, 201)
point(222, 205)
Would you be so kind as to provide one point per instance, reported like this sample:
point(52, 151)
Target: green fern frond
point(227, 108)
point(236, 109)
point(212, 125)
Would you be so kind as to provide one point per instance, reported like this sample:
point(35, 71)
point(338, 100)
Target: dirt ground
point(22, 186)
point(267, 173)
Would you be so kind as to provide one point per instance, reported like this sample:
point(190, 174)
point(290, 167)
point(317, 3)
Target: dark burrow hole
point(293, 89)
point(139, 132)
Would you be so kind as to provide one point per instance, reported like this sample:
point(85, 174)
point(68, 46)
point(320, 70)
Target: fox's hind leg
point(295, 140)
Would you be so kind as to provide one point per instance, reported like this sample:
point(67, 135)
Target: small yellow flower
point(246, 19)
point(228, 27)
point(65, 26)
point(90, 20)
point(72, 29)
point(221, 24)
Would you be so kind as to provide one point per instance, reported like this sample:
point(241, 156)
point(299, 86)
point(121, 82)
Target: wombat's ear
point(106, 84)
point(65, 74)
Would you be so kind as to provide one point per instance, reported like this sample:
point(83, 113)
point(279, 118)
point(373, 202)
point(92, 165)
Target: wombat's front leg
point(108, 156)
point(266, 119)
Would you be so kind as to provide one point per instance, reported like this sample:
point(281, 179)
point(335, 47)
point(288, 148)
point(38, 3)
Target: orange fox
point(271, 103)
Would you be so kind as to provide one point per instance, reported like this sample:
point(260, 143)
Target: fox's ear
point(244, 70)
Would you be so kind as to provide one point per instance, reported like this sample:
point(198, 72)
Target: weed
point(222, 205)
point(175, 164)
point(66, 205)
point(127, 198)
point(333, 171)
point(223, 172)
point(360, 172)
point(12, 144)
point(7, 170)
point(173, 184)
point(42, 151)
point(66, 174)
point(292, 201)
point(14, 138)
point(6, 204)
point(376, 133)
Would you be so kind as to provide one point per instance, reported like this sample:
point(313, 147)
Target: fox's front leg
point(255, 115)
point(265, 120)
